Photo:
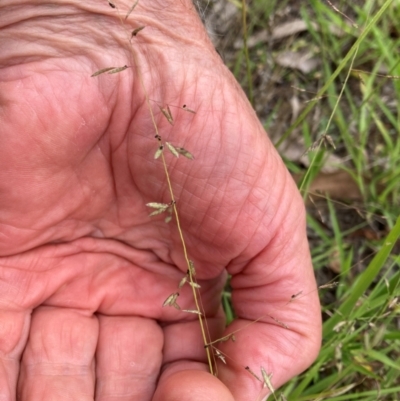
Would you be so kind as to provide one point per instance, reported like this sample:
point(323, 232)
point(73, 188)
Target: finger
point(58, 362)
point(14, 329)
point(185, 364)
point(190, 381)
point(183, 341)
point(129, 357)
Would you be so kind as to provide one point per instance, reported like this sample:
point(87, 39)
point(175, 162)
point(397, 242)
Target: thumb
point(184, 381)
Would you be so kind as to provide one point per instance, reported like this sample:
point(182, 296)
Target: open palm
point(84, 270)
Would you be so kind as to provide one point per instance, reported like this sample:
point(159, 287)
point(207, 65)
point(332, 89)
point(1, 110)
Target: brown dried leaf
point(305, 62)
point(338, 185)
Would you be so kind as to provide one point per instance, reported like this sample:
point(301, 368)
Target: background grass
point(337, 127)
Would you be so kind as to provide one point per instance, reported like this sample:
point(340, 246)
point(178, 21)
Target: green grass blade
point(365, 279)
point(342, 64)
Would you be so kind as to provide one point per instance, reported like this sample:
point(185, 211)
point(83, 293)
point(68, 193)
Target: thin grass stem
point(246, 53)
point(167, 176)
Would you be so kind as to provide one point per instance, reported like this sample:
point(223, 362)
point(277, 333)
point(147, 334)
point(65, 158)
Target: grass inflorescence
point(170, 209)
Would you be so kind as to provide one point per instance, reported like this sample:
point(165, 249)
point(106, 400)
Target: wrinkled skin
point(83, 270)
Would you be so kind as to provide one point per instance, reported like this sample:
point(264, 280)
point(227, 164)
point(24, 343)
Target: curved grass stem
point(190, 270)
point(203, 323)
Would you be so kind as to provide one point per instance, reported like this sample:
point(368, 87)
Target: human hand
point(84, 271)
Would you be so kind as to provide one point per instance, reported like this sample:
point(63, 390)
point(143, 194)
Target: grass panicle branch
point(162, 207)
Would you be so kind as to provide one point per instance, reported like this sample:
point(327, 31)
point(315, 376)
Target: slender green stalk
point(330, 120)
point(365, 279)
point(342, 64)
point(246, 53)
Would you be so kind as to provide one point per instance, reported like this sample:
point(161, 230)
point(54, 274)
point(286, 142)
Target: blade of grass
point(342, 64)
point(246, 53)
point(365, 279)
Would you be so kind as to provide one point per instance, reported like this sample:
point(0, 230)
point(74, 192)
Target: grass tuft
point(337, 127)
